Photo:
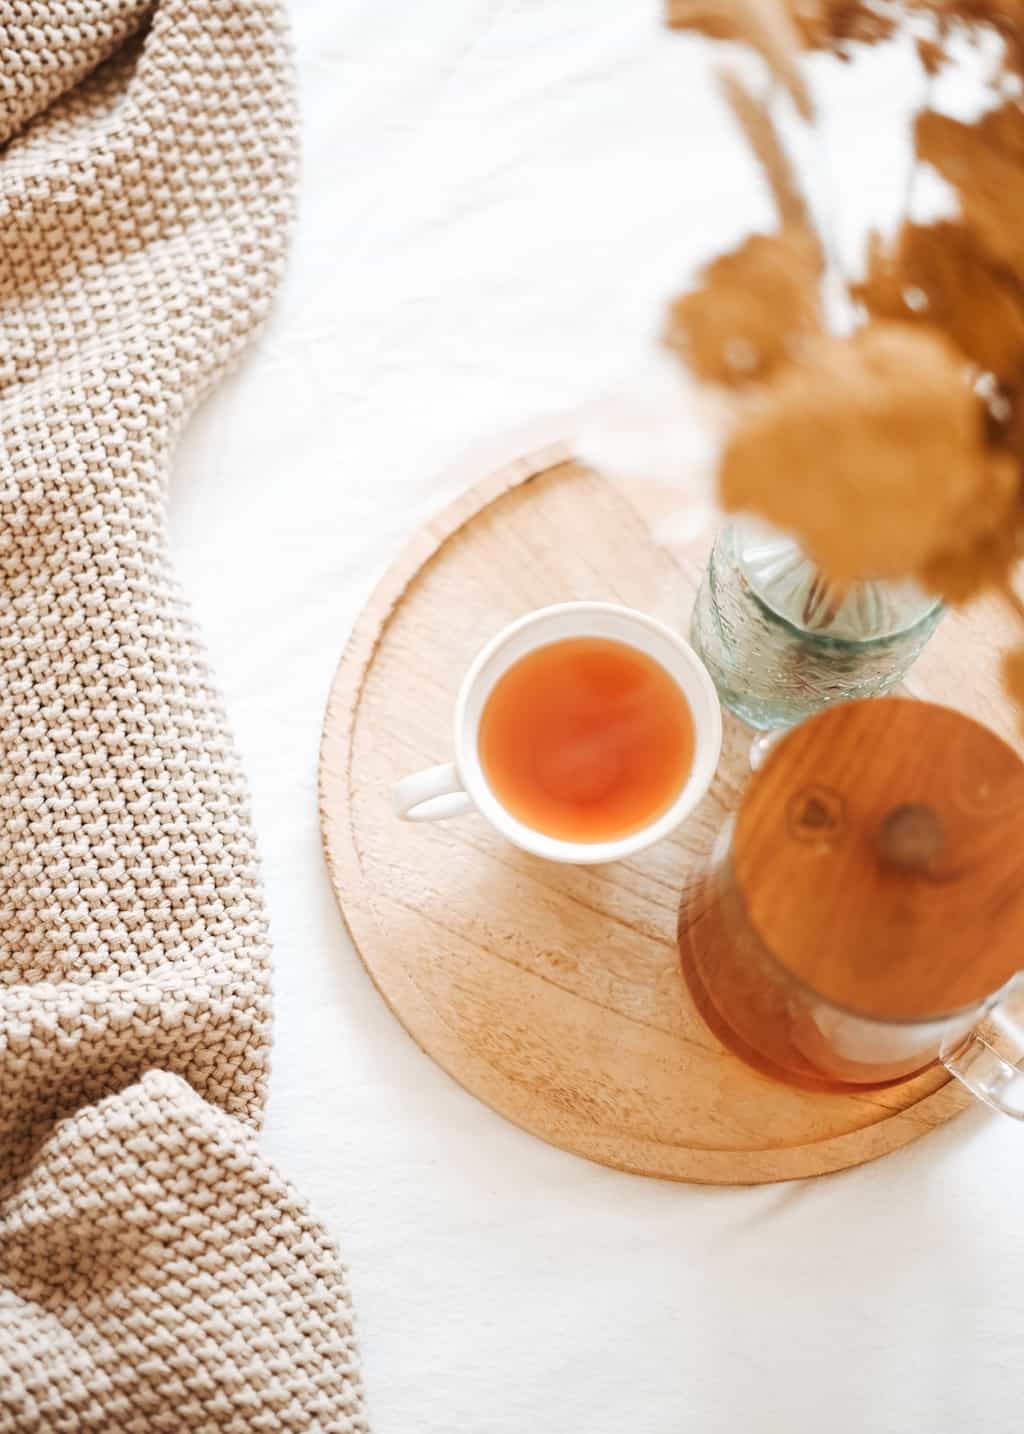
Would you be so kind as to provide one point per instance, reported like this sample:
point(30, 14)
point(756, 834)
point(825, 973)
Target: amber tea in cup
point(583, 733)
point(587, 739)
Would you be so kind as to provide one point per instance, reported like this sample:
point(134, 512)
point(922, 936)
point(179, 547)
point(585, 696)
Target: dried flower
point(937, 274)
point(752, 309)
point(849, 22)
point(814, 24)
point(931, 54)
point(985, 164)
point(963, 573)
point(871, 451)
point(1003, 17)
point(765, 25)
point(897, 451)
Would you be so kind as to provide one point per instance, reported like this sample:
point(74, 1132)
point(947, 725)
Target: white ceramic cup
point(461, 786)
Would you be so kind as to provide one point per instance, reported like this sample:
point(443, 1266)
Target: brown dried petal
point(871, 452)
point(938, 275)
point(1009, 433)
point(817, 24)
point(753, 308)
point(717, 19)
point(931, 54)
point(853, 22)
point(1005, 17)
point(961, 575)
point(810, 18)
point(985, 164)
point(765, 25)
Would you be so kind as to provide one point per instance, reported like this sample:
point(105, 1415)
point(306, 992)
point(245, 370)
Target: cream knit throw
point(155, 1272)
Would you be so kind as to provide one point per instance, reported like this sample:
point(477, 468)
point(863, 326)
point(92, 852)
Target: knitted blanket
point(155, 1272)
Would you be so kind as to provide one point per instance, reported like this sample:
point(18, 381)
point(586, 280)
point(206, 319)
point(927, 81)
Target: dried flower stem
point(760, 133)
point(764, 24)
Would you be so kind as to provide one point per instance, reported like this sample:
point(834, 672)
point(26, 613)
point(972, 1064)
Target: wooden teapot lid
point(879, 855)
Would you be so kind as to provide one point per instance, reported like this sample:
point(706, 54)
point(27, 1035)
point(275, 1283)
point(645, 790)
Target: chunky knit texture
point(155, 1273)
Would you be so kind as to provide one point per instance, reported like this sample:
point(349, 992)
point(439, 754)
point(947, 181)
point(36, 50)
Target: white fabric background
point(496, 198)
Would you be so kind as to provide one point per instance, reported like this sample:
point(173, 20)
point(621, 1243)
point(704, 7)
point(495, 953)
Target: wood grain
point(554, 994)
point(902, 898)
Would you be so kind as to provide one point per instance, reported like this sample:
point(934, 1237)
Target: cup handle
point(430, 795)
point(989, 1060)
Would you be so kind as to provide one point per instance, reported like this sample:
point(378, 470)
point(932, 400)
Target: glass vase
point(781, 640)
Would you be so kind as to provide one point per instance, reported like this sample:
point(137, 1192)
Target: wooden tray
point(554, 993)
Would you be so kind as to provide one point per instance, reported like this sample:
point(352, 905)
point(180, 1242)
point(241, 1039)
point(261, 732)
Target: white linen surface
point(497, 196)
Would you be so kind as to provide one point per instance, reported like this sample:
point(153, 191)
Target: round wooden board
point(554, 993)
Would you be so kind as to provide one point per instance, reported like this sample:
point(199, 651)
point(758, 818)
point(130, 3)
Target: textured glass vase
point(780, 640)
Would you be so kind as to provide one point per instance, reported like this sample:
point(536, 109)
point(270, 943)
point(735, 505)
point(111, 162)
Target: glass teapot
point(862, 913)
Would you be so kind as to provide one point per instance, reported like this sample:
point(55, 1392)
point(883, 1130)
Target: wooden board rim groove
point(698, 1164)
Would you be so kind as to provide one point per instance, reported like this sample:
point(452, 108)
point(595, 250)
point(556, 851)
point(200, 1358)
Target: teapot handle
point(989, 1060)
